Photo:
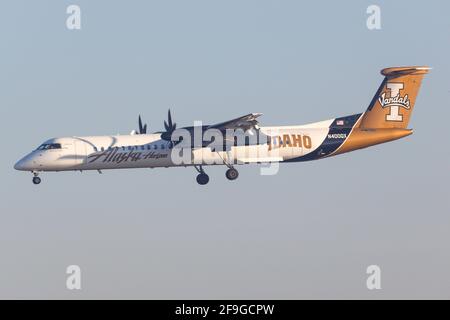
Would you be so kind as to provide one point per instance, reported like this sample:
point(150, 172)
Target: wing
point(245, 122)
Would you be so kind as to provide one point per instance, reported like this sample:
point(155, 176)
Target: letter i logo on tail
point(395, 102)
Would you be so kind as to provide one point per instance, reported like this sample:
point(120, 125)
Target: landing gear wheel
point(202, 178)
point(232, 174)
point(36, 180)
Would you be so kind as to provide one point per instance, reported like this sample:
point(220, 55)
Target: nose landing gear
point(36, 179)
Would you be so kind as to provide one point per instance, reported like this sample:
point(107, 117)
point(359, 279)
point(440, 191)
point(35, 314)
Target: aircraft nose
point(24, 164)
point(20, 165)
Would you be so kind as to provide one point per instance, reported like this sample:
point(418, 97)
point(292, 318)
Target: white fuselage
point(150, 151)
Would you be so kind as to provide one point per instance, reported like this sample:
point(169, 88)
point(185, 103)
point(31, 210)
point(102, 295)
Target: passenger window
point(129, 148)
point(103, 149)
point(162, 146)
point(155, 147)
point(149, 147)
point(95, 149)
point(142, 148)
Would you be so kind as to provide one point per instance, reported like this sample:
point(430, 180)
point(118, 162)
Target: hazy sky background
point(308, 232)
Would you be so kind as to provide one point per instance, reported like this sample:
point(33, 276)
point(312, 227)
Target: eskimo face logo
point(394, 102)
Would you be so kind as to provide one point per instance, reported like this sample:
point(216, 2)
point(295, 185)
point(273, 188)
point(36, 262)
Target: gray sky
point(308, 232)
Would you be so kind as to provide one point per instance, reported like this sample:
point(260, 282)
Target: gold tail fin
point(392, 105)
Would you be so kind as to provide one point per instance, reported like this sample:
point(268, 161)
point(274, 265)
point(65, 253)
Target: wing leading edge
point(245, 123)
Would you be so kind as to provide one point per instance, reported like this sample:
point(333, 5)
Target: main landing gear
point(232, 174)
point(36, 179)
point(202, 177)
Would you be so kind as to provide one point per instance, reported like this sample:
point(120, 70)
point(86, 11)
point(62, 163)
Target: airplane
point(386, 119)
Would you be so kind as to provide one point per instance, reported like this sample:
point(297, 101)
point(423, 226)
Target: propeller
point(142, 128)
point(169, 126)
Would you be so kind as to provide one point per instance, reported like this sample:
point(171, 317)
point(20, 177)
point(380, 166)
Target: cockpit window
point(48, 146)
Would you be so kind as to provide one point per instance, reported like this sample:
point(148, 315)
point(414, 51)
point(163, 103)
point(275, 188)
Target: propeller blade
point(169, 125)
point(142, 128)
point(173, 125)
point(169, 118)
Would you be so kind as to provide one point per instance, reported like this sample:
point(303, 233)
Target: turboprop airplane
point(238, 141)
